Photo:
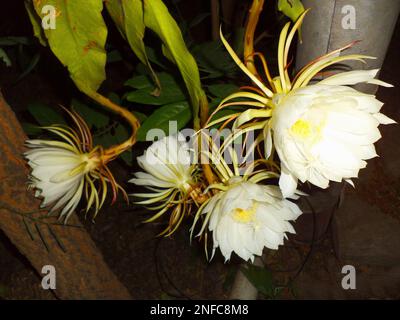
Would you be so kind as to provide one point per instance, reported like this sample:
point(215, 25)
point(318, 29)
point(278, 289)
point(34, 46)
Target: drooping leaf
point(128, 17)
point(171, 91)
point(35, 21)
point(291, 8)
point(159, 119)
point(78, 40)
point(158, 19)
point(45, 115)
point(155, 57)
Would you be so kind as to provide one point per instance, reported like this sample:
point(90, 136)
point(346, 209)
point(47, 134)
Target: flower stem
point(252, 20)
point(113, 152)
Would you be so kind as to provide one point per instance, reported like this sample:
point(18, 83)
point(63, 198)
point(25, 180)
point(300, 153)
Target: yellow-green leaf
point(128, 17)
point(158, 19)
point(291, 8)
point(35, 21)
point(78, 40)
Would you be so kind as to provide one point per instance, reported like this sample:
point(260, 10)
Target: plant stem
point(113, 152)
point(252, 20)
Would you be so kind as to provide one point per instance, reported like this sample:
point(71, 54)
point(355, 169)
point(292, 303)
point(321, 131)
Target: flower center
point(302, 129)
point(307, 131)
point(245, 215)
point(90, 161)
point(235, 180)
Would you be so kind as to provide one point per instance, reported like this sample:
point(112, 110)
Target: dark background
point(157, 268)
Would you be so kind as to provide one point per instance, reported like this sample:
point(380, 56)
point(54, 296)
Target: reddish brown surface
point(80, 268)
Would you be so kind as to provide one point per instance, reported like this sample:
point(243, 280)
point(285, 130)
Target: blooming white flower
point(64, 171)
point(322, 131)
point(248, 217)
point(170, 175)
point(58, 173)
point(167, 163)
point(326, 131)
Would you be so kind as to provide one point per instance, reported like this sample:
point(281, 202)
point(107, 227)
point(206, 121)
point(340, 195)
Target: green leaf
point(171, 91)
point(139, 82)
point(78, 40)
point(140, 116)
point(291, 8)
point(160, 118)
point(121, 134)
point(93, 116)
point(5, 58)
point(36, 23)
point(222, 90)
point(214, 59)
point(158, 19)
point(45, 115)
point(144, 82)
point(261, 278)
point(155, 57)
point(128, 17)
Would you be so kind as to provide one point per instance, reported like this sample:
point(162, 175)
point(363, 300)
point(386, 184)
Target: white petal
point(350, 77)
point(287, 182)
point(380, 83)
point(383, 119)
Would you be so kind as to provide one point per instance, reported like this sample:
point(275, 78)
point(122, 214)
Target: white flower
point(322, 131)
point(58, 173)
point(170, 175)
point(326, 131)
point(167, 163)
point(248, 217)
point(64, 171)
